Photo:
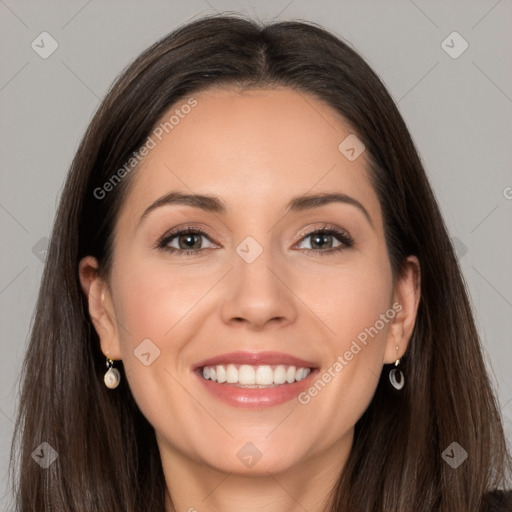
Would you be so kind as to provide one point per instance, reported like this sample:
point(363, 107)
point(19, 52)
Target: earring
point(396, 376)
point(112, 375)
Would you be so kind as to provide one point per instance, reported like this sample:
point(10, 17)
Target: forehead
point(249, 147)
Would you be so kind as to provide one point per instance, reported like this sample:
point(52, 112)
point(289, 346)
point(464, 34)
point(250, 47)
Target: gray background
point(458, 111)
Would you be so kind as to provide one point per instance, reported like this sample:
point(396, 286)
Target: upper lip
point(255, 359)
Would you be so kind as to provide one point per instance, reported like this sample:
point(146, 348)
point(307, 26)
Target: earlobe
point(101, 310)
point(407, 297)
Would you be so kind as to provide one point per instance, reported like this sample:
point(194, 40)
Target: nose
point(259, 293)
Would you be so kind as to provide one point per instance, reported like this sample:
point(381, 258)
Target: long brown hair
point(108, 459)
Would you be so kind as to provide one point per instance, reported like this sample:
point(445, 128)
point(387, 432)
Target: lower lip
point(254, 398)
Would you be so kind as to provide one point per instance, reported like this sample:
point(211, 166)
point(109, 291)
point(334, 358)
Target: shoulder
point(497, 501)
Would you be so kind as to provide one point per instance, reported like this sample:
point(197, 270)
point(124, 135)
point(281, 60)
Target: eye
point(184, 241)
point(189, 240)
point(323, 240)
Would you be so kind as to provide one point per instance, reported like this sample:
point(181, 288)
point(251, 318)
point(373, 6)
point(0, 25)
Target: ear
point(101, 308)
point(406, 297)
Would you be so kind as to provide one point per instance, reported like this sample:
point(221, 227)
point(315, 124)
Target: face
point(252, 322)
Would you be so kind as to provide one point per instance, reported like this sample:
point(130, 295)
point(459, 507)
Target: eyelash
point(340, 234)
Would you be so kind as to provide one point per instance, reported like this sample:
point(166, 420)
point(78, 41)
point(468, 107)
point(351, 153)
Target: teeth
point(231, 374)
point(264, 376)
point(221, 374)
point(246, 375)
point(257, 376)
point(280, 375)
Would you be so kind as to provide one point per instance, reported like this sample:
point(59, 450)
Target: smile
point(255, 380)
point(261, 376)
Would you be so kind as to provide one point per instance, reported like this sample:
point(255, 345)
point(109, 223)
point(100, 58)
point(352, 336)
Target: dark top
point(497, 501)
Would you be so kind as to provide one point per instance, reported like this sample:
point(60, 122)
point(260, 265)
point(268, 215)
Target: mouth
point(248, 376)
point(255, 379)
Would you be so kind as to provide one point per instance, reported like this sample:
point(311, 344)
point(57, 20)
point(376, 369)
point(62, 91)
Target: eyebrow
point(214, 204)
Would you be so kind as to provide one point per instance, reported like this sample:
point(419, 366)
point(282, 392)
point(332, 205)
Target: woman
point(250, 299)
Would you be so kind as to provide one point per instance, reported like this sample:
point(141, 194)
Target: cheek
point(360, 305)
point(152, 299)
point(155, 305)
point(356, 305)
point(350, 298)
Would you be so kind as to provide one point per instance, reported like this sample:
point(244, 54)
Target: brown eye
point(327, 240)
point(189, 241)
point(185, 241)
point(321, 241)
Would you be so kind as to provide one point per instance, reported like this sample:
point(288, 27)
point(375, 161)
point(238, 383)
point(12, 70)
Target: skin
point(255, 150)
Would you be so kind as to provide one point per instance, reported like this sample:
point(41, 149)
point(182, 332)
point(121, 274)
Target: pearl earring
point(396, 376)
point(112, 375)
